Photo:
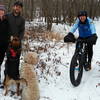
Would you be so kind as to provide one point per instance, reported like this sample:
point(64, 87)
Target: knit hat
point(18, 3)
point(2, 7)
point(82, 13)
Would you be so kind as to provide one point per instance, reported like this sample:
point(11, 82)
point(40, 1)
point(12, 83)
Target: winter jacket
point(86, 29)
point(4, 32)
point(17, 25)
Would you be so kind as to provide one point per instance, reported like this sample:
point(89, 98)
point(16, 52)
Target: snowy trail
point(90, 81)
point(87, 90)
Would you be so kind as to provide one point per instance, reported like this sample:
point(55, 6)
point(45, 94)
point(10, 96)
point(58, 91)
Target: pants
point(90, 52)
point(91, 40)
point(3, 49)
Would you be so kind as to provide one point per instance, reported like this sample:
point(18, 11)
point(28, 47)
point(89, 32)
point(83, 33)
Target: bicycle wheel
point(76, 75)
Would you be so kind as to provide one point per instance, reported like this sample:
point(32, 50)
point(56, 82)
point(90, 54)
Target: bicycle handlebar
point(82, 40)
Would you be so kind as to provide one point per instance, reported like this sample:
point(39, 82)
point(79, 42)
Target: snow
point(54, 79)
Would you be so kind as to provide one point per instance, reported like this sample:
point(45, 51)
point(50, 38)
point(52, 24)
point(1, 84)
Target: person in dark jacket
point(17, 26)
point(4, 35)
point(16, 21)
point(87, 31)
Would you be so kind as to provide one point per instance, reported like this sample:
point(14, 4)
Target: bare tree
point(56, 11)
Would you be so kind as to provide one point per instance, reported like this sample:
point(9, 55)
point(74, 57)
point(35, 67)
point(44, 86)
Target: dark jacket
point(4, 33)
point(17, 25)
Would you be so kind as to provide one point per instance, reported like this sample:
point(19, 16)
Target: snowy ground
point(54, 73)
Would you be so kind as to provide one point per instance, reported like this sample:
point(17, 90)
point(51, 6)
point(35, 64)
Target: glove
point(69, 38)
point(92, 39)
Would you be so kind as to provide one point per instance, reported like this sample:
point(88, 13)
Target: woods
point(56, 11)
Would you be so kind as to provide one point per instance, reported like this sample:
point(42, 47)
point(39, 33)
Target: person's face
point(82, 18)
point(17, 9)
point(2, 12)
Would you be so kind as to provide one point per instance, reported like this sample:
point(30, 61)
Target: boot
point(87, 66)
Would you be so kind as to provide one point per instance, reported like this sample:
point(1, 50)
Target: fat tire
point(76, 82)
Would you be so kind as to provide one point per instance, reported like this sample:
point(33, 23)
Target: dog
point(31, 92)
point(12, 63)
point(13, 55)
point(19, 84)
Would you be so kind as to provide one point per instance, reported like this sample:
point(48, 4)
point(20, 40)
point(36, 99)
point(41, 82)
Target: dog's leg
point(5, 85)
point(18, 89)
point(18, 83)
point(5, 90)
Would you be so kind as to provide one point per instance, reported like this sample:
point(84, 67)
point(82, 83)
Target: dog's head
point(31, 58)
point(15, 41)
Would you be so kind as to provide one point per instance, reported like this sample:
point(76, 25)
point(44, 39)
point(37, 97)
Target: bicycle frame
point(81, 49)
